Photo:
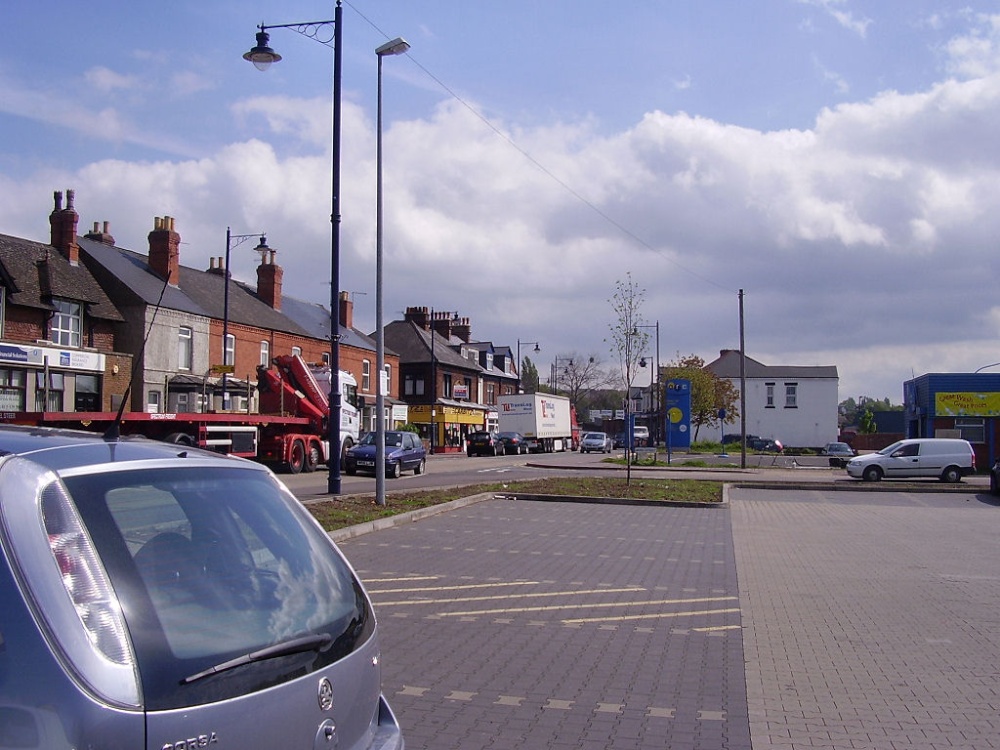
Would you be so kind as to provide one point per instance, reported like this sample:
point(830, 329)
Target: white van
point(946, 458)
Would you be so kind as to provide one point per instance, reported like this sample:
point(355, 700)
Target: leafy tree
point(709, 393)
point(866, 423)
point(529, 375)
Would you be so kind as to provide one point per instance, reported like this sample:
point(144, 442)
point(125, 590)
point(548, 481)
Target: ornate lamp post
point(537, 349)
point(396, 47)
point(262, 56)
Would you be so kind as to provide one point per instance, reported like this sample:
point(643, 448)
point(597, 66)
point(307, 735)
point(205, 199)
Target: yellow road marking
point(650, 617)
point(456, 588)
point(553, 607)
point(532, 595)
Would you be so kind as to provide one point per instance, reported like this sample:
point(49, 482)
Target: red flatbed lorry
point(294, 438)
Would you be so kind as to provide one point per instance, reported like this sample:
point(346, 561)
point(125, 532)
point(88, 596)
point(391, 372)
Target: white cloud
point(106, 80)
point(846, 18)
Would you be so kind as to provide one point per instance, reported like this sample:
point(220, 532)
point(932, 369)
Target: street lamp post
point(555, 372)
point(261, 55)
point(396, 47)
point(655, 381)
point(537, 349)
point(226, 364)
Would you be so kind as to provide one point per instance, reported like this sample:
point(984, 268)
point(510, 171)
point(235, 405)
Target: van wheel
point(872, 474)
point(951, 474)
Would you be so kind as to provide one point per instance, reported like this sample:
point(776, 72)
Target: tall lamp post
point(535, 350)
point(226, 364)
point(261, 55)
point(655, 381)
point(396, 47)
point(555, 371)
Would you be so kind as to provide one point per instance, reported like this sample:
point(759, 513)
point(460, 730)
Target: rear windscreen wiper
point(317, 642)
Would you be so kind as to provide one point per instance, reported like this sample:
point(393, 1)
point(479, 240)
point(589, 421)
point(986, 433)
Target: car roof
point(59, 449)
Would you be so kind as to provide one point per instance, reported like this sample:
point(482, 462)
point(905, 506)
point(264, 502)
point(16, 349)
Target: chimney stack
point(164, 250)
point(62, 223)
point(346, 310)
point(269, 275)
point(101, 235)
point(418, 316)
point(462, 329)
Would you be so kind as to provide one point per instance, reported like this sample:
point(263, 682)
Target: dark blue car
point(403, 452)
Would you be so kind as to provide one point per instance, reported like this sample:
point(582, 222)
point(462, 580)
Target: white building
point(794, 404)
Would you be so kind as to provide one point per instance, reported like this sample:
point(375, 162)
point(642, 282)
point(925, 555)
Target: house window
point(769, 403)
point(388, 379)
point(446, 385)
point(491, 393)
point(229, 356)
point(153, 402)
point(67, 322)
point(265, 354)
point(366, 376)
point(185, 348)
point(413, 386)
point(326, 358)
point(972, 429)
point(182, 402)
point(489, 360)
point(12, 389)
point(49, 393)
point(87, 396)
point(791, 395)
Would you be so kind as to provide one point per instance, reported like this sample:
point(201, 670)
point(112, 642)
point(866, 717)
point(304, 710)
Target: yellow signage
point(219, 369)
point(967, 404)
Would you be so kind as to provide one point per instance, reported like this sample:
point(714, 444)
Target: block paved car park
point(515, 624)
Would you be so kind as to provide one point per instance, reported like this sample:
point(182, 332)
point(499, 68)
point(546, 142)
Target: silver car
point(157, 596)
point(598, 442)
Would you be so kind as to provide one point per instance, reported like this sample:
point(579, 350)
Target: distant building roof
point(728, 366)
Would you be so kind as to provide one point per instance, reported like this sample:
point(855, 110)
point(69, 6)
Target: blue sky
point(835, 159)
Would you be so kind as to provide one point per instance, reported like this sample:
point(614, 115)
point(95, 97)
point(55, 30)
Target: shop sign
point(65, 359)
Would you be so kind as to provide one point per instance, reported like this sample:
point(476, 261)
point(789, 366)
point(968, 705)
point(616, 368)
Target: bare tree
point(580, 376)
point(628, 338)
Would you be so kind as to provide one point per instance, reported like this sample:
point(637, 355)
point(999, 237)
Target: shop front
point(445, 427)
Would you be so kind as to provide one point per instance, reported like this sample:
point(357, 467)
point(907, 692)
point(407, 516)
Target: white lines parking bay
point(432, 597)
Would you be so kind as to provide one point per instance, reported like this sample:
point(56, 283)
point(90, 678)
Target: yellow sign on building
point(967, 404)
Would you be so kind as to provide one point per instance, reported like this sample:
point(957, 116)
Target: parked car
point(736, 438)
point(484, 443)
point(157, 595)
point(404, 451)
point(514, 443)
point(640, 434)
point(949, 459)
point(764, 445)
point(598, 442)
point(995, 477)
point(839, 454)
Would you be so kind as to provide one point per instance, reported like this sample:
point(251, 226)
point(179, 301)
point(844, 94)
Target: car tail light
point(65, 583)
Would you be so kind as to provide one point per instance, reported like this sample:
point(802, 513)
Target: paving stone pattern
point(871, 620)
point(531, 625)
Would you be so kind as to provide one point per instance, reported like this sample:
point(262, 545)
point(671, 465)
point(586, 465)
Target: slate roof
point(35, 273)
point(413, 345)
point(728, 366)
point(203, 293)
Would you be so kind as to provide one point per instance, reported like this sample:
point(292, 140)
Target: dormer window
point(67, 323)
point(489, 360)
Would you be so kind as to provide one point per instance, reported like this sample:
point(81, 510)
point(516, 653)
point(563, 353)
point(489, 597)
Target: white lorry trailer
point(545, 420)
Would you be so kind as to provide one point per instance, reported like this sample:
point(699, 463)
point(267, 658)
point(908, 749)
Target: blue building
point(963, 405)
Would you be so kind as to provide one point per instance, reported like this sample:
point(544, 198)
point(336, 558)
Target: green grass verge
point(354, 509)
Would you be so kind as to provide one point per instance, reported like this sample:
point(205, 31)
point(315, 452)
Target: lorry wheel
point(297, 457)
point(872, 474)
point(421, 467)
point(312, 458)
